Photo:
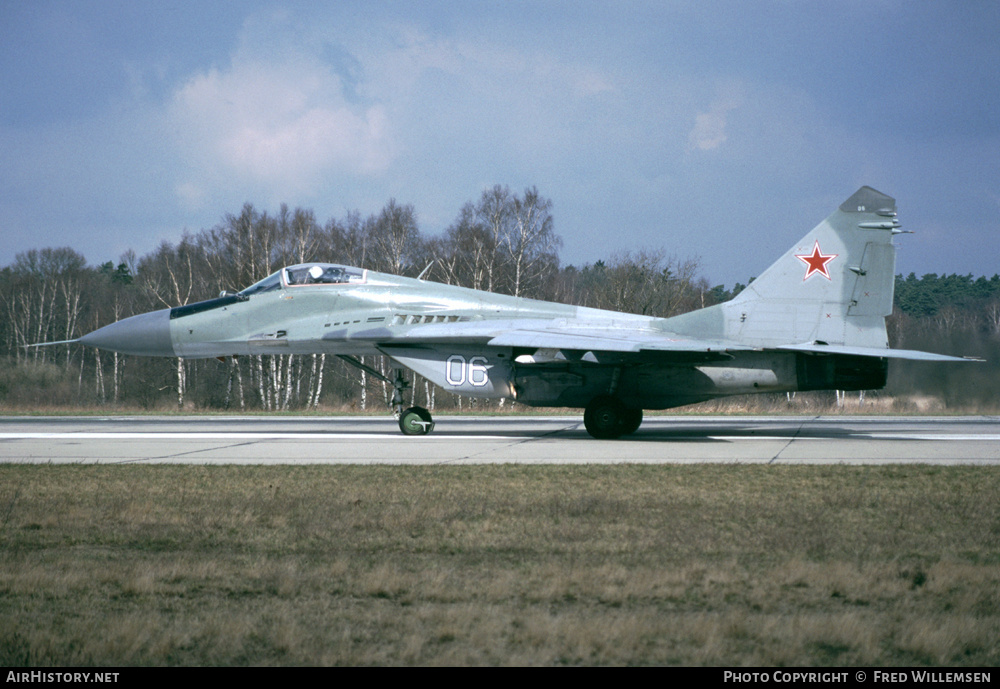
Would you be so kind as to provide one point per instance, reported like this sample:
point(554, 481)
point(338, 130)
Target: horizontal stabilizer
point(910, 354)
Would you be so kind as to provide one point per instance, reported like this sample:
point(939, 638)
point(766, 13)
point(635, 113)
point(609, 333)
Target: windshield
point(271, 282)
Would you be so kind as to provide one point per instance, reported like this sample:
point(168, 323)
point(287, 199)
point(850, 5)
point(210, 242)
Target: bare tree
point(394, 238)
point(646, 282)
point(303, 239)
point(467, 253)
point(531, 241)
point(43, 299)
point(503, 243)
point(493, 220)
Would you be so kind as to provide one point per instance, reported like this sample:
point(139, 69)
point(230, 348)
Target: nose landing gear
point(412, 421)
point(415, 420)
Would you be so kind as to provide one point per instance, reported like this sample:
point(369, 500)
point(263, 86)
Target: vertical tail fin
point(835, 286)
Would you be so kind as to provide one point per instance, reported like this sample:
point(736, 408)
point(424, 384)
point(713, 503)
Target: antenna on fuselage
point(424, 271)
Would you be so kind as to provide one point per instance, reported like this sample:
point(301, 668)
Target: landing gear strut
point(412, 421)
point(606, 418)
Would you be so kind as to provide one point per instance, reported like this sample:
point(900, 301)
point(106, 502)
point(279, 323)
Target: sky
point(716, 131)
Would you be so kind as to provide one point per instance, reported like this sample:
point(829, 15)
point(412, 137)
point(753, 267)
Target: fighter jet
point(814, 320)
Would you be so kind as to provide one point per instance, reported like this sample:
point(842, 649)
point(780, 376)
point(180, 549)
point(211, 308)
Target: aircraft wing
point(563, 334)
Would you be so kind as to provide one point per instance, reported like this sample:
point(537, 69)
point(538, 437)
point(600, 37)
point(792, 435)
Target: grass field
point(550, 565)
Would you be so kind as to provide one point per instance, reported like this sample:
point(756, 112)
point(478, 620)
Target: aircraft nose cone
point(147, 334)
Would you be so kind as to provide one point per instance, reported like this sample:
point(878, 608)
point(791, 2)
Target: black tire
point(603, 417)
point(630, 421)
point(416, 421)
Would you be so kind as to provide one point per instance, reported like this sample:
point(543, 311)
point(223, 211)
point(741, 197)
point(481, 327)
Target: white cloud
point(191, 196)
point(284, 125)
point(478, 69)
point(709, 131)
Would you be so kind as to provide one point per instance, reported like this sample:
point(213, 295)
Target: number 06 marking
point(457, 371)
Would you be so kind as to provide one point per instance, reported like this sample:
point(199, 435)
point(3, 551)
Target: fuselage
point(443, 332)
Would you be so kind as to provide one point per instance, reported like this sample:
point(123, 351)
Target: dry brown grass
point(734, 565)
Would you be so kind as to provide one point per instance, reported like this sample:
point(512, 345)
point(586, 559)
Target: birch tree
point(531, 241)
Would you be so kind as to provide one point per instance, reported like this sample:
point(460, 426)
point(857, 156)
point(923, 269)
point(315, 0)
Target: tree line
point(503, 242)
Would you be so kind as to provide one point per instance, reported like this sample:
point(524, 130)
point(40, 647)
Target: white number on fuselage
point(458, 371)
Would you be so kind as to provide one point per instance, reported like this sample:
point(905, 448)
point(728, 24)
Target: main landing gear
point(606, 418)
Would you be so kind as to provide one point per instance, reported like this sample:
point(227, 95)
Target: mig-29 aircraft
point(814, 320)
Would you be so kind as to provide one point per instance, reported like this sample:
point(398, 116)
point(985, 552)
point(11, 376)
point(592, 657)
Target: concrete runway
point(490, 440)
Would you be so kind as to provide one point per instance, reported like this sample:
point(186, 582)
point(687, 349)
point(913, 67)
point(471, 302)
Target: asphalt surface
point(505, 439)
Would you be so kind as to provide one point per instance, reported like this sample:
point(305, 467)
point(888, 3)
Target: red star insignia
point(816, 261)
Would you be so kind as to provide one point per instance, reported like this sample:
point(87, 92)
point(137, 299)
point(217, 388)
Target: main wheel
point(416, 421)
point(630, 421)
point(603, 417)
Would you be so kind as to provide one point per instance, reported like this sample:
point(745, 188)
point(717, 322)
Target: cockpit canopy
point(307, 274)
point(322, 274)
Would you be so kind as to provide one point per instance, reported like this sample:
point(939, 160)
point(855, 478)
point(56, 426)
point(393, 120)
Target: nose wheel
point(412, 421)
point(416, 421)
